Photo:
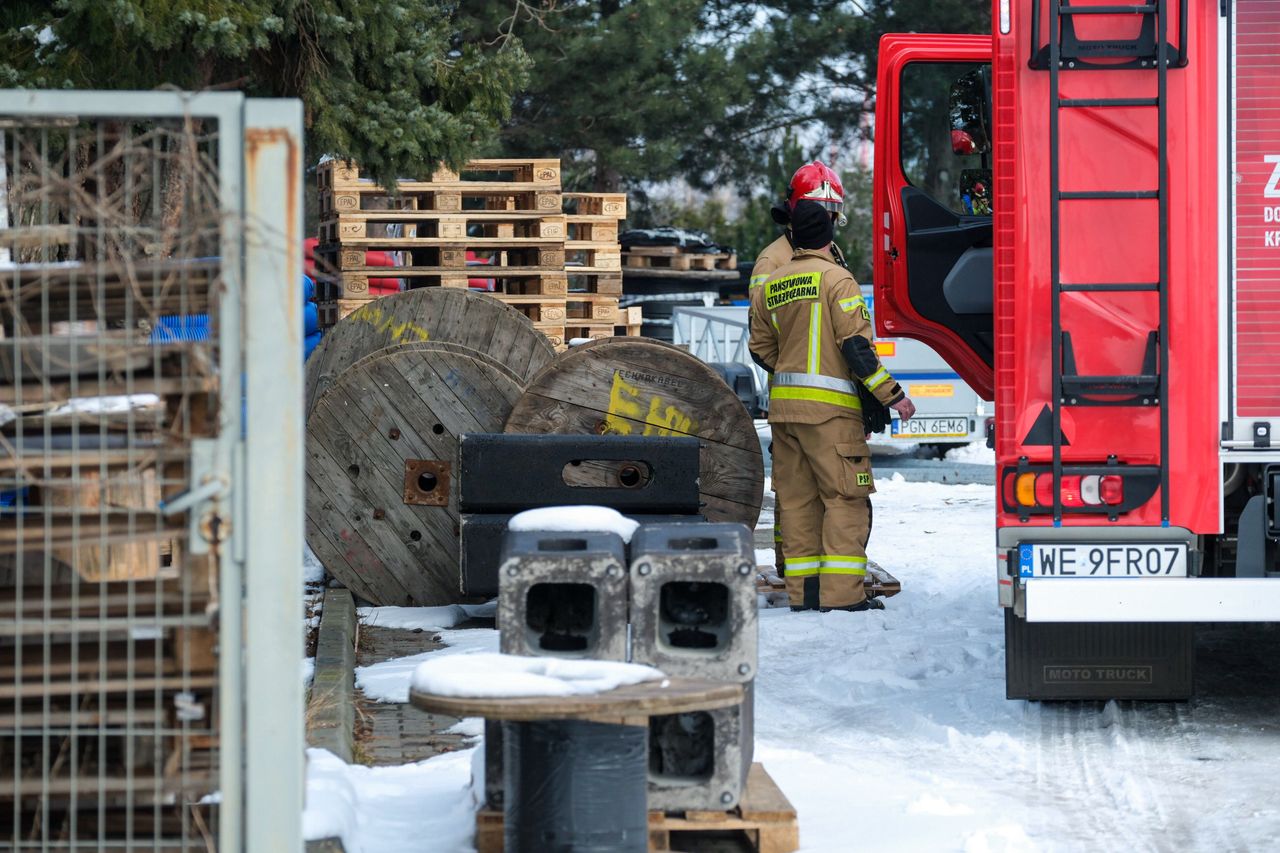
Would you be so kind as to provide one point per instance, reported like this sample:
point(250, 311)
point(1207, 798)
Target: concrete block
point(482, 537)
point(693, 600)
point(699, 761)
point(563, 595)
point(331, 707)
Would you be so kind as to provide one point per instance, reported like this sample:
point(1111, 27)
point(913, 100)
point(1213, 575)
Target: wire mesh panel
point(112, 260)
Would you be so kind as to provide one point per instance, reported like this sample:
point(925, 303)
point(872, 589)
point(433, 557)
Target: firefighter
point(812, 333)
point(819, 183)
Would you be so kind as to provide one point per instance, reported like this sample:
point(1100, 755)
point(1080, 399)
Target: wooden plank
point(334, 173)
point(681, 275)
point(49, 394)
point(442, 197)
point(636, 701)
point(99, 599)
point(634, 386)
point(762, 800)
point(469, 319)
point(43, 294)
point(138, 492)
point(90, 787)
point(115, 685)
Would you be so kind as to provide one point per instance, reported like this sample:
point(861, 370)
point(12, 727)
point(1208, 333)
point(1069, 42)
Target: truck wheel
point(1095, 660)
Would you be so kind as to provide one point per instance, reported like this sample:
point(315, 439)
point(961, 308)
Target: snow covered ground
point(890, 731)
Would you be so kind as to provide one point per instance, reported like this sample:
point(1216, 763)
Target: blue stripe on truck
point(924, 374)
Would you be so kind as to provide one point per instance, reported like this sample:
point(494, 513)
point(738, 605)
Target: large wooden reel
point(382, 452)
point(429, 314)
point(635, 386)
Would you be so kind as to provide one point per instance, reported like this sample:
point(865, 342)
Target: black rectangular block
point(509, 473)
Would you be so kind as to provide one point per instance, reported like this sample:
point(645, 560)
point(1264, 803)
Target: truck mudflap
point(1072, 660)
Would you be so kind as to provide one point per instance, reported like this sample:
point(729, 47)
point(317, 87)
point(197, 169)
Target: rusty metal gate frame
point(255, 487)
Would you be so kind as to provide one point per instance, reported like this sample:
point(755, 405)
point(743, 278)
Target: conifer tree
point(390, 83)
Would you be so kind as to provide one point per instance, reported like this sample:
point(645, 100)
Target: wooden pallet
point(487, 224)
point(354, 286)
point(629, 322)
point(765, 821)
point(541, 310)
point(877, 583)
point(441, 198)
point(335, 174)
point(611, 205)
point(592, 308)
point(672, 258)
point(581, 330)
point(593, 257)
point(591, 229)
point(447, 252)
point(606, 283)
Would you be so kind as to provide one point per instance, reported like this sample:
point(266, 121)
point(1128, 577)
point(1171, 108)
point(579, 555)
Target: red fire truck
point(1081, 213)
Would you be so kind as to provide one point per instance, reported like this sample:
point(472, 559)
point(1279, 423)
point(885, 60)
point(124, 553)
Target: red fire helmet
point(817, 182)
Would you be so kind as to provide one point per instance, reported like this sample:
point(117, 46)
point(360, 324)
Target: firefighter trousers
point(822, 475)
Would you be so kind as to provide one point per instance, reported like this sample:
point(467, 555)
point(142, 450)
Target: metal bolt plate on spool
point(400, 406)
point(429, 314)
point(635, 386)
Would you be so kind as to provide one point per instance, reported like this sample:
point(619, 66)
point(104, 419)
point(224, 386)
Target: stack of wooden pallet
point(593, 261)
point(499, 225)
point(677, 259)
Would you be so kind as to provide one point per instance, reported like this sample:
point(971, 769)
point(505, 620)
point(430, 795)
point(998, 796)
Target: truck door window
point(943, 137)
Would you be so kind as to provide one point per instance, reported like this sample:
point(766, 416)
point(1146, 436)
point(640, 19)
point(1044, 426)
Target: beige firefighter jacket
point(808, 308)
point(774, 255)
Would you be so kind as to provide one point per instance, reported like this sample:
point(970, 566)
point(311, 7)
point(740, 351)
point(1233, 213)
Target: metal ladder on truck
point(1066, 53)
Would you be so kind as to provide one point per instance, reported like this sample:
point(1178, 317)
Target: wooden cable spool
point(382, 447)
point(429, 314)
point(636, 386)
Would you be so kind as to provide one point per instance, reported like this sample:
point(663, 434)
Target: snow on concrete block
point(574, 519)
point(564, 594)
point(693, 600)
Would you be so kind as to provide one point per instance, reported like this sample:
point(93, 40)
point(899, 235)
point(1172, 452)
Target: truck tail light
point(1036, 490)
point(1071, 491)
point(1090, 490)
point(1111, 490)
point(1025, 489)
point(1044, 489)
point(1082, 488)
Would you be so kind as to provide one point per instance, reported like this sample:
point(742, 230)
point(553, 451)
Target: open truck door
point(933, 191)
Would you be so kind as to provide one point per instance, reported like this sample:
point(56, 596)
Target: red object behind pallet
point(377, 286)
point(381, 286)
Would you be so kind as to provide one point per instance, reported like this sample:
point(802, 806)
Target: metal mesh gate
point(121, 368)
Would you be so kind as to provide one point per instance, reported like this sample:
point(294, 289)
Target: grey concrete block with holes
point(563, 595)
point(693, 600)
point(699, 761)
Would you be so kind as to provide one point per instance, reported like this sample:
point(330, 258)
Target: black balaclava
point(811, 226)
